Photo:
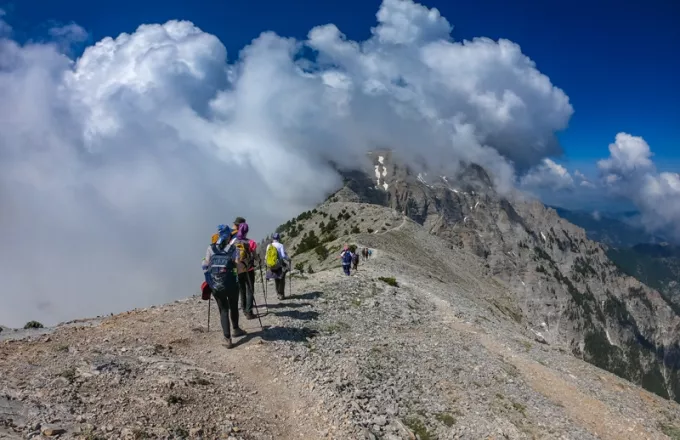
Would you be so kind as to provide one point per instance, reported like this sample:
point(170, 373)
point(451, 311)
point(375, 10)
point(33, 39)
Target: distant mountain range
point(637, 253)
point(613, 229)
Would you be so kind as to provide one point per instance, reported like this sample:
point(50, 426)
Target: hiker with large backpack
point(220, 274)
point(225, 230)
point(245, 267)
point(355, 261)
point(277, 264)
point(346, 257)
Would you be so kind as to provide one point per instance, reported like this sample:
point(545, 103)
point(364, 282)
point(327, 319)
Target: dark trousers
point(280, 284)
point(346, 268)
point(227, 303)
point(246, 284)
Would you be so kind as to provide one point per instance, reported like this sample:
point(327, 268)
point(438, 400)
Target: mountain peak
point(565, 284)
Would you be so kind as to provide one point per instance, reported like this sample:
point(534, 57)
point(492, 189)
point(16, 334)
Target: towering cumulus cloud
point(629, 172)
point(115, 167)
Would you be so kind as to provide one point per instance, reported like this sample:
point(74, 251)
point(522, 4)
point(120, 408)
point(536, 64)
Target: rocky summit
point(478, 316)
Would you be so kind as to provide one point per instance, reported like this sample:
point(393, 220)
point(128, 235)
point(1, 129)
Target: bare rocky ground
point(442, 355)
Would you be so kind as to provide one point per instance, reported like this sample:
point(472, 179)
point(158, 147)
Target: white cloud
point(583, 180)
point(628, 154)
point(117, 166)
point(70, 32)
point(5, 28)
point(548, 175)
point(403, 22)
point(629, 172)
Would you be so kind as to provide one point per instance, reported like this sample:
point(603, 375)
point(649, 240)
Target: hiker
point(221, 230)
point(245, 268)
point(220, 273)
point(216, 236)
point(277, 264)
point(364, 253)
point(370, 253)
point(355, 261)
point(346, 257)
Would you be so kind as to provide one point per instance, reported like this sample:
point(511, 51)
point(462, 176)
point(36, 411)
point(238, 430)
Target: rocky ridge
point(440, 352)
point(566, 287)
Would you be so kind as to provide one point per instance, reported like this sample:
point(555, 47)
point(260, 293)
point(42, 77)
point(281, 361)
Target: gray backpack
point(222, 269)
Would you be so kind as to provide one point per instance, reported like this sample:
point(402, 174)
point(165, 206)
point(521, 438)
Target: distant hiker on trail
point(346, 257)
point(355, 262)
point(370, 253)
point(277, 264)
point(245, 267)
point(220, 273)
point(364, 253)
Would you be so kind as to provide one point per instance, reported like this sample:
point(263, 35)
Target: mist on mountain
point(117, 165)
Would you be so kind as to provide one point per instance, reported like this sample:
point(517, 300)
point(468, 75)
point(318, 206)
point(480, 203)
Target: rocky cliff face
point(565, 285)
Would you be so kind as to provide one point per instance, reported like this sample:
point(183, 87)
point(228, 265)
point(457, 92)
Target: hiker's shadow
point(288, 305)
point(276, 333)
point(308, 295)
point(296, 314)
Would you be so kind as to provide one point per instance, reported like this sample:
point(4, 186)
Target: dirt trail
point(290, 409)
point(261, 402)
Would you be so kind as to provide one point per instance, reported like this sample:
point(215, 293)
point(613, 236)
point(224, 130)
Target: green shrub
point(308, 242)
point(33, 324)
point(304, 216)
point(446, 419)
point(330, 226)
point(174, 400)
point(356, 230)
point(389, 280)
point(321, 252)
point(310, 270)
point(300, 267)
point(418, 428)
point(69, 374)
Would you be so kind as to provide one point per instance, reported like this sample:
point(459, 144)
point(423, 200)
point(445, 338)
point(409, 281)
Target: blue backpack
point(347, 258)
point(222, 269)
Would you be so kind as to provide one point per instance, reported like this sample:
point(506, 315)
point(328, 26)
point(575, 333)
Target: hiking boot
point(238, 332)
point(281, 297)
point(228, 344)
point(249, 315)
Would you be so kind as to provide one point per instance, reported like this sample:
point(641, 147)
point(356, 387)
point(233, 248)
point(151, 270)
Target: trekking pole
point(290, 284)
point(265, 299)
point(209, 301)
point(252, 287)
point(264, 286)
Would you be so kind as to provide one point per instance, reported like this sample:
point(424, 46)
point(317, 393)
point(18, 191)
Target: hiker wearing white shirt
point(277, 265)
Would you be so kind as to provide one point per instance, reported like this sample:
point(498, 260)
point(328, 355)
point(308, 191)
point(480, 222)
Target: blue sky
point(615, 60)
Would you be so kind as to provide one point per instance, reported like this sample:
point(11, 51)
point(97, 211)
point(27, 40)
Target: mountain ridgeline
point(556, 283)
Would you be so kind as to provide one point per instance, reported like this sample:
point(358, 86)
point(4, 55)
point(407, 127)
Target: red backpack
point(206, 291)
